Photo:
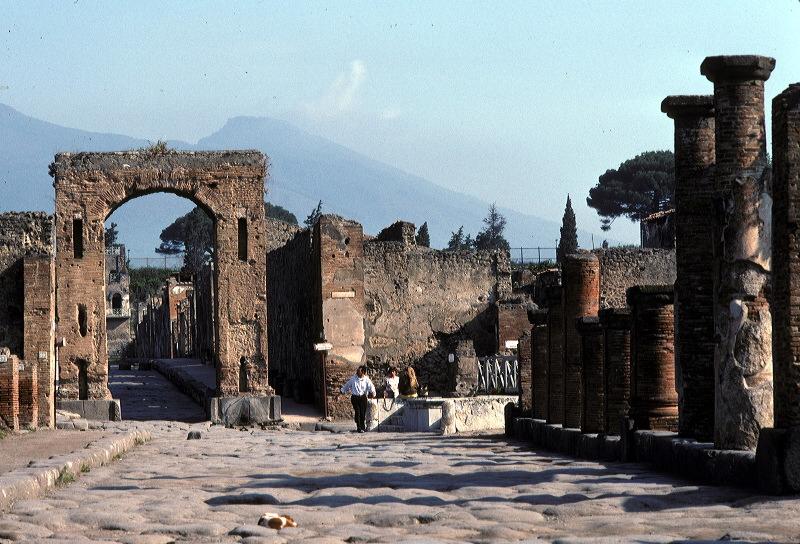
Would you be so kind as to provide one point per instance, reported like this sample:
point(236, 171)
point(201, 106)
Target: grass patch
point(3, 434)
point(65, 477)
point(139, 441)
point(85, 468)
point(117, 457)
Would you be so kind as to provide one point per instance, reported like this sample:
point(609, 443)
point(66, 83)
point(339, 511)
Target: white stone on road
point(382, 487)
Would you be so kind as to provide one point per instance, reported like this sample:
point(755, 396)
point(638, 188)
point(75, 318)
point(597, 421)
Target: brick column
point(654, 400)
point(525, 373)
point(694, 284)
point(742, 226)
point(786, 255)
point(555, 356)
point(593, 415)
point(539, 350)
point(39, 330)
point(580, 275)
point(9, 389)
point(512, 322)
point(28, 395)
point(616, 323)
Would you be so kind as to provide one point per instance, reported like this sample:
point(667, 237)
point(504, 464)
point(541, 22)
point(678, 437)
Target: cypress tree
point(423, 238)
point(569, 233)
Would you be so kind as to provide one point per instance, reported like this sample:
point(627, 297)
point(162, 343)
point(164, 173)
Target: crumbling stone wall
point(279, 233)
point(291, 306)
point(420, 301)
point(21, 234)
point(229, 186)
point(622, 268)
point(39, 334)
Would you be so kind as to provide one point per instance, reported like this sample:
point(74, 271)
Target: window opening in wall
point(83, 379)
point(116, 301)
point(243, 376)
point(83, 320)
point(242, 239)
point(77, 238)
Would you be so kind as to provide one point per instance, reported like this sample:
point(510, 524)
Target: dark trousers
point(360, 409)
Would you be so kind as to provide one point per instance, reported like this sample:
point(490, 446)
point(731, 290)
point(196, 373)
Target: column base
point(231, 411)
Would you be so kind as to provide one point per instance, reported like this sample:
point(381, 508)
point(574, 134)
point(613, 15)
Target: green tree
point(491, 237)
point(423, 237)
point(568, 243)
point(273, 211)
point(112, 234)
point(147, 281)
point(456, 242)
point(313, 216)
point(640, 186)
point(191, 235)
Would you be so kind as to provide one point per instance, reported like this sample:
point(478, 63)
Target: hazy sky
point(517, 103)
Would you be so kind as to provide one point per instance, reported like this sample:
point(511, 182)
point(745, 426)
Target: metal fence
point(169, 262)
point(498, 375)
point(535, 255)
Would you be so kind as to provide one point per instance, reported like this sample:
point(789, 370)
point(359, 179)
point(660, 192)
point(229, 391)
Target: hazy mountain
point(304, 169)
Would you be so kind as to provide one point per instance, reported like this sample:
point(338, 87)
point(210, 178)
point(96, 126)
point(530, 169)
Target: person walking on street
point(360, 387)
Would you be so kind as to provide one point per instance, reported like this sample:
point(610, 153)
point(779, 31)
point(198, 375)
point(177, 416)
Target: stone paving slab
point(45, 474)
point(384, 487)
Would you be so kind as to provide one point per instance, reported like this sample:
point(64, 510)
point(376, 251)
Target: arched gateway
point(229, 186)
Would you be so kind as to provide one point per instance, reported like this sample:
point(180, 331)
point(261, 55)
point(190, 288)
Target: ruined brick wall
point(539, 360)
point(39, 330)
point(21, 234)
point(28, 395)
point(421, 301)
point(616, 323)
point(512, 322)
point(591, 355)
point(401, 231)
point(525, 372)
point(621, 268)
point(555, 356)
point(786, 255)
point(279, 233)
point(9, 390)
point(291, 307)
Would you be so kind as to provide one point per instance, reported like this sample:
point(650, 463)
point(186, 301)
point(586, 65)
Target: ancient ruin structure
point(593, 418)
point(539, 361)
point(229, 186)
point(616, 324)
point(694, 283)
point(581, 298)
point(118, 304)
point(555, 356)
point(524, 356)
point(654, 399)
point(742, 234)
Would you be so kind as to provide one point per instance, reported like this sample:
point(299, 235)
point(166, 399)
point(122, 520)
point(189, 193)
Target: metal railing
point(118, 312)
point(498, 375)
point(535, 255)
point(169, 262)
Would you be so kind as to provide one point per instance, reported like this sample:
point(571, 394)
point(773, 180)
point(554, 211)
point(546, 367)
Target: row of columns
point(697, 357)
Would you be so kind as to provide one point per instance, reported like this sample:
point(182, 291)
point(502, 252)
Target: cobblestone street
point(380, 488)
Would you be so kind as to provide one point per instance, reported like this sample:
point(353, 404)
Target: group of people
point(361, 388)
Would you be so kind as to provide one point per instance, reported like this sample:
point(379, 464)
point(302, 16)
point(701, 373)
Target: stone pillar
point(694, 284)
point(593, 418)
point(539, 350)
point(555, 356)
point(9, 389)
point(39, 330)
point(786, 255)
point(616, 324)
point(525, 373)
point(654, 400)
point(580, 275)
point(742, 227)
point(28, 395)
point(512, 322)
point(464, 371)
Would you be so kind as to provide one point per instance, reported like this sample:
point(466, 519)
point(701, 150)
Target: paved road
point(381, 488)
point(146, 395)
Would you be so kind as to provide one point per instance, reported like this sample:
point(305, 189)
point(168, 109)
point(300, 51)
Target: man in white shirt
point(360, 387)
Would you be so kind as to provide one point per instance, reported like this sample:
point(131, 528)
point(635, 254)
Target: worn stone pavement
point(381, 488)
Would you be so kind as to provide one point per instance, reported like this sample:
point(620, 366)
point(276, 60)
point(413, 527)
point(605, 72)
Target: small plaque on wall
point(3, 358)
point(42, 355)
point(323, 346)
point(343, 294)
point(512, 344)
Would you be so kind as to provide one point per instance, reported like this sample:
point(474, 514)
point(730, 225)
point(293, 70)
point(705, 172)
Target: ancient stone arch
point(229, 186)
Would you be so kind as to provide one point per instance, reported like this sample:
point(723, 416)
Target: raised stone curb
point(42, 476)
point(663, 450)
point(186, 383)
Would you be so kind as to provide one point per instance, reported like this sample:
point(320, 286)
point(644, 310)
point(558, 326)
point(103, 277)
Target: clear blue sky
point(517, 103)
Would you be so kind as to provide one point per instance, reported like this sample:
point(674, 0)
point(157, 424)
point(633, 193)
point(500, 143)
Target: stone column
point(742, 234)
point(525, 384)
point(593, 415)
point(654, 400)
point(555, 356)
point(616, 323)
point(694, 284)
point(580, 275)
point(539, 350)
point(9, 389)
point(786, 260)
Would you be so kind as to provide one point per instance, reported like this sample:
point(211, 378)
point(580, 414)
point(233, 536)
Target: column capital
point(688, 106)
point(731, 68)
